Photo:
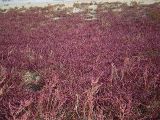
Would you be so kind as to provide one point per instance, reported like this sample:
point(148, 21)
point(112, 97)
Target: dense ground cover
point(101, 64)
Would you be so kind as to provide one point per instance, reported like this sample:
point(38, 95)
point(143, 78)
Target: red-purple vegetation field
point(72, 68)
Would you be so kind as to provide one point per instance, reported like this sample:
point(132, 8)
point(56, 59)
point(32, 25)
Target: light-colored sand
point(123, 1)
point(68, 3)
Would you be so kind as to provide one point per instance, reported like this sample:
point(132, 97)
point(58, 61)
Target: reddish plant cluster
point(76, 69)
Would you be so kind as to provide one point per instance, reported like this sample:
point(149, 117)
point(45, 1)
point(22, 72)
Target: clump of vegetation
point(77, 69)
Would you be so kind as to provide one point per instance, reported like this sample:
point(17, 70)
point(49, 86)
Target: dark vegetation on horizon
point(56, 65)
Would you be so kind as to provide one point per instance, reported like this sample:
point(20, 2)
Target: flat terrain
point(6, 4)
point(86, 62)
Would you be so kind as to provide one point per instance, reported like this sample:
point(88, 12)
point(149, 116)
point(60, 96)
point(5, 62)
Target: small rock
point(32, 81)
